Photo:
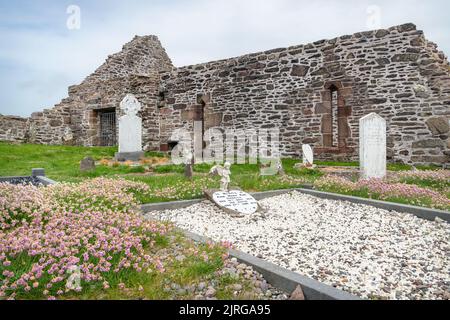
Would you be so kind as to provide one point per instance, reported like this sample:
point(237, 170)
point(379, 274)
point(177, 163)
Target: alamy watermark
point(235, 146)
point(74, 20)
point(74, 280)
point(373, 21)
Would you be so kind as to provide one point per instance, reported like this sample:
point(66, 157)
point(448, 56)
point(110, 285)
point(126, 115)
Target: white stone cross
point(130, 126)
point(372, 146)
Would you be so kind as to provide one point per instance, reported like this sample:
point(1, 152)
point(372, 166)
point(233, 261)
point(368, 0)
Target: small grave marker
point(308, 155)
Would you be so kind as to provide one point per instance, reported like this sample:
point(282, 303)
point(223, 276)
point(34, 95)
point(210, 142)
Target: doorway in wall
point(199, 116)
point(335, 113)
point(108, 128)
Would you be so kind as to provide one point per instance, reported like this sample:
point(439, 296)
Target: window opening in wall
point(334, 116)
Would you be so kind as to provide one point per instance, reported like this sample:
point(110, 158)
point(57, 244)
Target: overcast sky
point(40, 56)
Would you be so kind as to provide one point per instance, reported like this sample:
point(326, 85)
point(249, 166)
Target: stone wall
point(133, 70)
point(13, 129)
point(316, 94)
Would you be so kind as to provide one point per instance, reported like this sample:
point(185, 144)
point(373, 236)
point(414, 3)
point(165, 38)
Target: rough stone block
point(299, 70)
point(438, 125)
point(428, 143)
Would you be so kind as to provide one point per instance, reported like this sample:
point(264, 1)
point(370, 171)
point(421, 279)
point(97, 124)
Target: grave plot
point(37, 178)
point(363, 250)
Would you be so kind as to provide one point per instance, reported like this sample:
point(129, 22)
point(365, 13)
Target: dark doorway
point(199, 115)
point(335, 115)
point(108, 129)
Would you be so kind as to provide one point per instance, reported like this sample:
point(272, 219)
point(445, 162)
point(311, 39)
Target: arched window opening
point(335, 113)
point(334, 116)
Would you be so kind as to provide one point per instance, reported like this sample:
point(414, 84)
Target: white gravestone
point(372, 146)
point(130, 130)
point(236, 201)
point(308, 155)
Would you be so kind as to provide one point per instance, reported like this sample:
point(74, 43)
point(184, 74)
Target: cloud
point(42, 57)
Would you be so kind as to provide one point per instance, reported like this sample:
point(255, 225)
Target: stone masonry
point(315, 94)
point(13, 129)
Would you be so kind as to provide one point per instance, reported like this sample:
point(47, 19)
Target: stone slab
point(38, 172)
point(235, 202)
point(129, 156)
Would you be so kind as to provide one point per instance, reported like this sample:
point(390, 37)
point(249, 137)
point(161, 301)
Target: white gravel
point(367, 251)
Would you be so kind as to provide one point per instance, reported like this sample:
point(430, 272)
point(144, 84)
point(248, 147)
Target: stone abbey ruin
point(315, 94)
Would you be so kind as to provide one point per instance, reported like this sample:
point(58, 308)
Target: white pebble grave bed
point(370, 252)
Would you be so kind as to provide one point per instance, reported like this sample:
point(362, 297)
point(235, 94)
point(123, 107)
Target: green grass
point(337, 163)
point(60, 162)
point(167, 183)
point(442, 186)
point(354, 164)
point(390, 166)
point(152, 284)
point(157, 286)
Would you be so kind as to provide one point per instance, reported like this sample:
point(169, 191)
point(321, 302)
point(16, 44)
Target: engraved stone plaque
point(237, 201)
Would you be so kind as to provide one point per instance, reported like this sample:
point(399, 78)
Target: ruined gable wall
point(13, 129)
point(432, 143)
point(133, 70)
point(381, 71)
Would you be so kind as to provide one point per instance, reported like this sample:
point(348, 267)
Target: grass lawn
point(167, 182)
point(60, 162)
point(390, 166)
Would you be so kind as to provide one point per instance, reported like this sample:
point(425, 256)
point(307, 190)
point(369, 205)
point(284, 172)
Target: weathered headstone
point(130, 130)
point(87, 164)
point(38, 172)
point(372, 146)
point(308, 155)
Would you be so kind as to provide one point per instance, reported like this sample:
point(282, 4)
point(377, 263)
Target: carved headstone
point(130, 130)
point(235, 202)
point(87, 164)
point(372, 146)
point(308, 155)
